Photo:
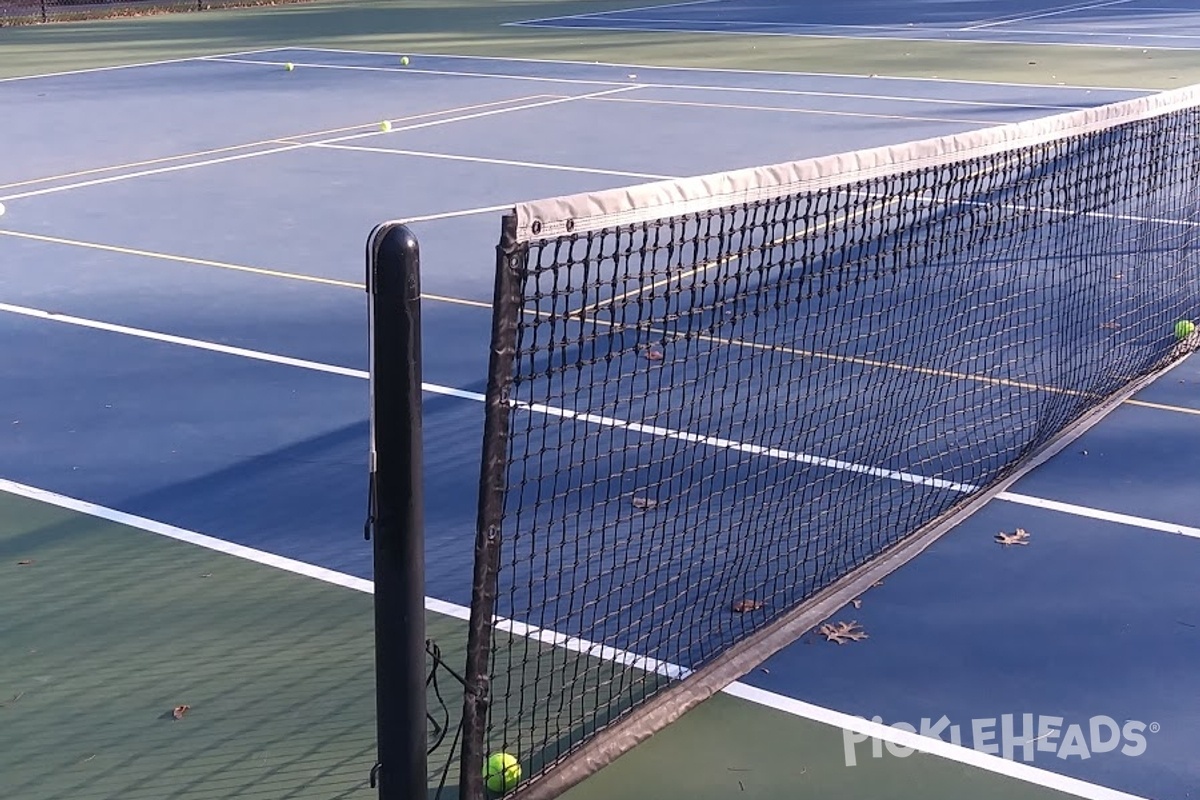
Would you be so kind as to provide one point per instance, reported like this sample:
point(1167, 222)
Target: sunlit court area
point(721, 400)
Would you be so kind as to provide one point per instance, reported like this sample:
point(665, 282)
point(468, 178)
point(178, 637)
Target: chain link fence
point(32, 12)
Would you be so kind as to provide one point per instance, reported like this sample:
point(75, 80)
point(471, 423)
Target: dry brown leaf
point(747, 604)
point(179, 711)
point(1021, 537)
point(842, 632)
point(653, 354)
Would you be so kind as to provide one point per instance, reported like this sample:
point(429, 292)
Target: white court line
point(595, 419)
point(202, 262)
point(423, 71)
point(1140, 35)
point(184, 341)
point(858, 96)
point(674, 86)
point(1049, 12)
point(466, 212)
point(956, 753)
point(786, 110)
point(140, 64)
point(814, 34)
point(333, 140)
point(730, 70)
point(1096, 513)
point(263, 142)
point(620, 11)
point(493, 161)
point(145, 172)
point(927, 744)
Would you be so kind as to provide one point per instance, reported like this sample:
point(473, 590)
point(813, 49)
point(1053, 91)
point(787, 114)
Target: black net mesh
point(750, 402)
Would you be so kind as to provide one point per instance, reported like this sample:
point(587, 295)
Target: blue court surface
point(184, 318)
point(1107, 23)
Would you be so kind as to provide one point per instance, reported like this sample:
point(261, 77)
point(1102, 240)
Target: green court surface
point(108, 628)
point(476, 27)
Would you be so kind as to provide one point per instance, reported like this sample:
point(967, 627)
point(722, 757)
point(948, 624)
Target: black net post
point(505, 315)
point(396, 524)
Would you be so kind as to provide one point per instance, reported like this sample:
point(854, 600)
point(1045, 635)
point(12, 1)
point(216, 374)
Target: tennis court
point(184, 313)
point(1157, 24)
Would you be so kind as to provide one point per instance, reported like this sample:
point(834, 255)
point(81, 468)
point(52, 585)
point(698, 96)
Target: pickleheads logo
point(1014, 737)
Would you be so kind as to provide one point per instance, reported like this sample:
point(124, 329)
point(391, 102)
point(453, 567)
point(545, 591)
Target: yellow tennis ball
point(289, 66)
point(1184, 328)
point(501, 772)
point(404, 61)
point(385, 126)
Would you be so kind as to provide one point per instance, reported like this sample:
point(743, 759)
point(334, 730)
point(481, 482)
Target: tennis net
point(717, 405)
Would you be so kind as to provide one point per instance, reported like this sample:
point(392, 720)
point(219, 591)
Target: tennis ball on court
point(404, 61)
point(385, 126)
point(1184, 328)
point(1, 209)
point(289, 66)
point(501, 772)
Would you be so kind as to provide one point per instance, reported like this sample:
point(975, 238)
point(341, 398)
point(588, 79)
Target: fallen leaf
point(1021, 537)
point(856, 602)
point(746, 604)
point(842, 632)
point(653, 355)
point(643, 502)
point(179, 711)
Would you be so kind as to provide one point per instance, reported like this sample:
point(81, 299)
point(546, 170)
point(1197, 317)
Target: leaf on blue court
point(643, 503)
point(856, 602)
point(179, 711)
point(1021, 537)
point(747, 604)
point(842, 632)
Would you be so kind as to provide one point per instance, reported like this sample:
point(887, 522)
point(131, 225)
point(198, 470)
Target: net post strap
point(506, 311)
